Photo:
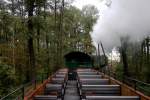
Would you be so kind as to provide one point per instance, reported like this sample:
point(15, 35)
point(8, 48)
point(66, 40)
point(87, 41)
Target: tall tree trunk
point(14, 31)
point(38, 28)
point(47, 43)
point(48, 54)
point(30, 40)
point(38, 39)
point(99, 56)
point(125, 63)
point(148, 50)
point(56, 41)
point(60, 35)
point(124, 55)
point(148, 58)
point(142, 54)
point(12, 7)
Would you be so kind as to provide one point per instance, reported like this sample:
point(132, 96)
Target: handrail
point(137, 81)
point(12, 92)
point(22, 88)
point(136, 84)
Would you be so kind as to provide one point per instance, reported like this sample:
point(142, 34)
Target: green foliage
point(137, 58)
point(119, 72)
point(7, 79)
point(54, 33)
point(78, 24)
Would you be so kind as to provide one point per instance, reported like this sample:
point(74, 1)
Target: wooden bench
point(87, 73)
point(65, 76)
point(90, 76)
point(112, 98)
point(61, 81)
point(56, 89)
point(92, 82)
point(88, 69)
point(60, 76)
point(61, 72)
point(85, 81)
point(46, 97)
point(100, 90)
point(58, 80)
point(80, 71)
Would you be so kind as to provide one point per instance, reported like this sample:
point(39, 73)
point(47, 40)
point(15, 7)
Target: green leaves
point(7, 78)
point(52, 35)
point(78, 25)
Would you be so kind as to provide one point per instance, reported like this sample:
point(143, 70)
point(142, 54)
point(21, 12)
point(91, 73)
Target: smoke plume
point(120, 18)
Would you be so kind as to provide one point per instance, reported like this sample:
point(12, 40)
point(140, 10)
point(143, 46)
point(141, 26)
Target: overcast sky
point(121, 18)
point(81, 3)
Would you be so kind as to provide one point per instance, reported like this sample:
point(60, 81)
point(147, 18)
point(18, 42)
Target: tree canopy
point(36, 34)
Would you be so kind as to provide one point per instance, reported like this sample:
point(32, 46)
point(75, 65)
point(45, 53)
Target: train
point(78, 59)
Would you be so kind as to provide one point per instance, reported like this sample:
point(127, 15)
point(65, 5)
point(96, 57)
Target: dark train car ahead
point(75, 60)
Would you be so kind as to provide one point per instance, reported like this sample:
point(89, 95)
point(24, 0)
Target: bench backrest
point(78, 70)
point(50, 88)
point(60, 76)
point(94, 81)
point(61, 72)
point(112, 98)
point(57, 80)
point(87, 73)
point(90, 76)
point(101, 90)
point(45, 97)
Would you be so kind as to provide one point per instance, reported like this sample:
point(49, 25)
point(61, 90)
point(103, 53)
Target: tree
point(40, 33)
point(123, 50)
point(30, 8)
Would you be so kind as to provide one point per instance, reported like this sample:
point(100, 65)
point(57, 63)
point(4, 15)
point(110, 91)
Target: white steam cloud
point(121, 18)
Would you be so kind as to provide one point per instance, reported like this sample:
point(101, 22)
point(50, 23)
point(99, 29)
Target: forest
point(35, 35)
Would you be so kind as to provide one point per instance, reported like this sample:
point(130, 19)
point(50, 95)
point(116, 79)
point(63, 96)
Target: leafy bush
point(7, 79)
point(119, 72)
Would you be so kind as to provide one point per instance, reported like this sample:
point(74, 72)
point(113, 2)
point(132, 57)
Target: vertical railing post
point(34, 83)
point(42, 78)
point(47, 75)
point(114, 76)
point(23, 88)
point(134, 84)
point(123, 79)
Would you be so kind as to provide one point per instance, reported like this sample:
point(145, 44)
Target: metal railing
point(134, 83)
point(138, 85)
point(20, 92)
